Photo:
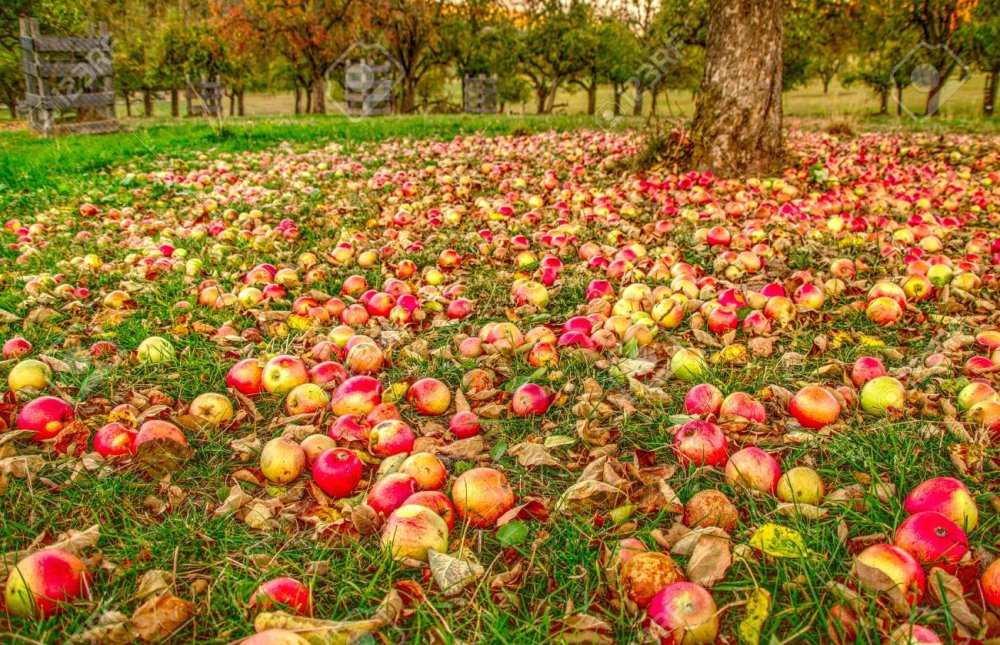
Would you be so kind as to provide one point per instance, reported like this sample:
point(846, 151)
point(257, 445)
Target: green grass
point(220, 561)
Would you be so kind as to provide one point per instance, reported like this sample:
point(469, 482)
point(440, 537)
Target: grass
point(218, 562)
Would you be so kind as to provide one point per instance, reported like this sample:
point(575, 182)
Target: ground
point(340, 181)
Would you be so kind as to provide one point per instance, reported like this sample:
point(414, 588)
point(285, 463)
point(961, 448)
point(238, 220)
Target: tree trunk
point(592, 98)
point(298, 99)
point(551, 104)
point(128, 105)
point(541, 93)
point(319, 93)
point(737, 119)
point(147, 102)
point(899, 100)
point(617, 99)
point(309, 102)
point(408, 100)
point(883, 107)
point(239, 102)
point(232, 103)
point(826, 84)
point(934, 99)
point(175, 103)
point(990, 92)
point(639, 93)
point(652, 104)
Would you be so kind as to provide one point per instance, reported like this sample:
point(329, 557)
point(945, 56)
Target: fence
point(368, 87)
point(479, 94)
point(204, 98)
point(68, 81)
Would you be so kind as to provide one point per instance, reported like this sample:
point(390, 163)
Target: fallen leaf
point(710, 560)
point(780, 542)
point(159, 457)
point(758, 608)
point(533, 454)
point(152, 582)
point(161, 616)
point(452, 574)
point(946, 591)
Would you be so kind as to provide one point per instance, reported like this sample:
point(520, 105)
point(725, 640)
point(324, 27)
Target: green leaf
point(511, 533)
point(758, 607)
point(498, 451)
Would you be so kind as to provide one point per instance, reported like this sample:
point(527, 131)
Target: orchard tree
point(883, 39)
point(982, 42)
point(554, 46)
point(411, 29)
point(737, 121)
point(818, 40)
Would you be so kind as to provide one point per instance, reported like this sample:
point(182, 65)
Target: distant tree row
point(538, 49)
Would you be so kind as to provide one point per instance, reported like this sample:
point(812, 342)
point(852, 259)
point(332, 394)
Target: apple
point(529, 399)
point(114, 439)
point(753, 468)
point(350, 427)
point(214, 408)
point(286, 594)
point(338, 472)
point(464, 424)
point(625, 550)
point(481, 496)
point(412, 530)
point(365, 358)
point(814, 407)
point(390, 437)
point(282, 460)
point(155, 350)
point(722, 319)
point(246, 377)
point(429, 397)
point(282, 374)
point(16, 347)
point(947, 496)
point(438, 502)
point(884, 311)
point(914, 634)
point(688, 365)
point(985, 414)
point(391, 492)
point(315, 445)
point(275, 637)
point(356, 395)
point(29, 373)
point(882, 395)
point(865, 369)
point(900, 569)
point(683, 612)
point(740, 407)
point(976, 392)
point(701, 443)
point(809, 296)
point(710, 508)
point(307, 398)
point(932, 539)
point(543, 354)
point(327, 372)
point(46, 416)
point(990, 583)
point(644, 574)
point(156, 429)
point(427, 469)
point(41, 584)
point(703, 399)
point(801, 485)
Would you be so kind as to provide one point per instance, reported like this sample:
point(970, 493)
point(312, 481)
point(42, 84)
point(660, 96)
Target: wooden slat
point(77, 68)
point(69, 44)
point(83, 100)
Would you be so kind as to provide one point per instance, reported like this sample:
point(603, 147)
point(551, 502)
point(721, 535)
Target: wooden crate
point(479, 94)
point(204, 98)
point(368, 87)
point(68, 81)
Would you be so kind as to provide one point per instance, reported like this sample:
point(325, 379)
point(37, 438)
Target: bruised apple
point(753, 468)
point(427, 469)
point(114, 439)
point(315, 445)
point(710, 508)
point(481, 496)
point(701, 443)
point(644, 574)
point(156, 429)
point(214, 408)
point(287, 594)
point(390, 437)
point(356, 395)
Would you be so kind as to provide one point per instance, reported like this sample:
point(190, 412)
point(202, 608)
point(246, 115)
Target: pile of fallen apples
point(659, 282)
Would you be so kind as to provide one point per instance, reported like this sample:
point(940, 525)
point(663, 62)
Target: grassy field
point(168, 524)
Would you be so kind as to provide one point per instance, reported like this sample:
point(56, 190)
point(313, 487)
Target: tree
point(555, 46)
point(819, 37)
point(982, 41)
point(411, 29)
point(737, 121)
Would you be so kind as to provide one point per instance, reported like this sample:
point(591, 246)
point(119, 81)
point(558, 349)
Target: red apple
point(246, 377)
point(914, 634)
point(391, 492)
point(990, 583)
point(412, 530)
point(41, 584)
point(155, 429)
point(464, 424)
point(740, 407)
point(932, 538)
point(356, 395)
point(328, 372)
point(46, 416)
point(114, 439)
point(390, 437)
point(683, 613)
point(947, 496)
point(701, 443)
point(899, 568)
point(703, 399)
point(481, 496)
point(350, 427)
point(437, 502)
point(429, 397)
point(814, 407)
point(338, 472)
point(287, 594)
point(16, 347)
point(841, 625)
point(753, 468)
point(865, 369)
point(427, 469)
point(529, 399)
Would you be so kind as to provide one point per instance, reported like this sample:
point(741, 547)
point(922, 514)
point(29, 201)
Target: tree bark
point(639, 94)
point(541, 93)
point(319, 93)
point(883, 102)
point(826, 84)
point(128, 105)
point(737, 120)
point(298, 100)
point(239, 102)
point(592, 98)
point(175, 103)
point(147, 102)
point(617, 100)
point(899, 100)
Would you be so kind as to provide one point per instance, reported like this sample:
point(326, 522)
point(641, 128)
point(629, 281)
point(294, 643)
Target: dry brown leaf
point(159, 457)
point(161, 616)
point(112, 628)
point(452, 574)
point(234, 502)
point(875, 580)
point(946, 591)
point(464, 448)
point(533, 454)
point(152, 582)
point(710, 560)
